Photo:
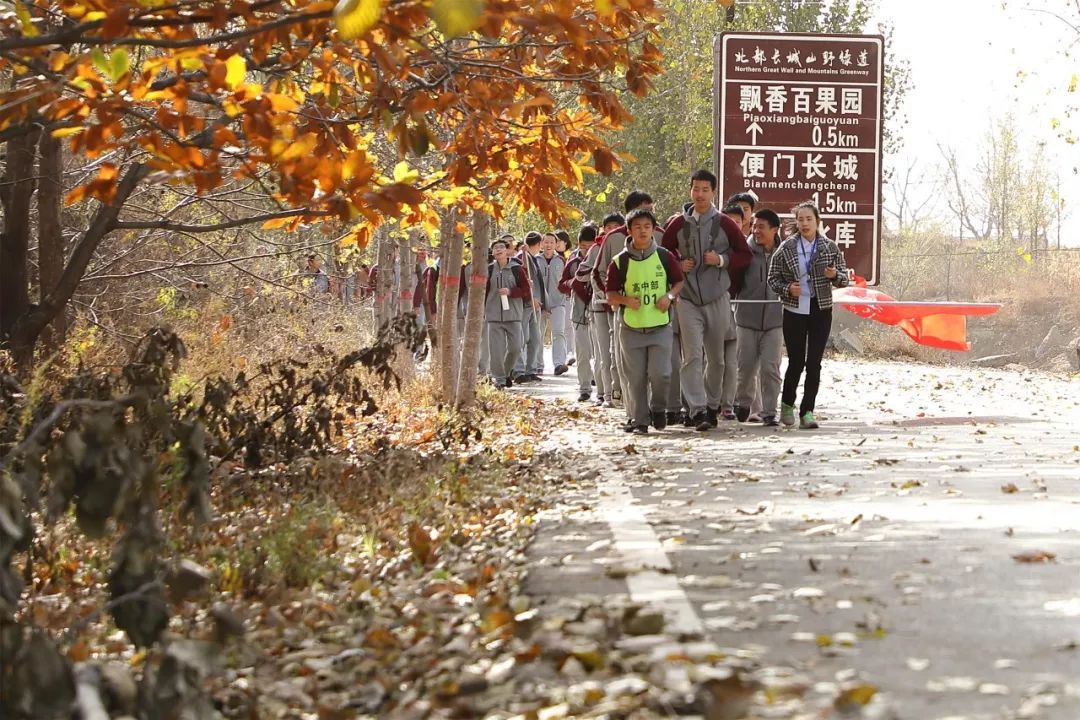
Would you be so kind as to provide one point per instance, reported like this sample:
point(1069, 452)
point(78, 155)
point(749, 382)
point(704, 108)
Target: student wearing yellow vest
point(642, 282)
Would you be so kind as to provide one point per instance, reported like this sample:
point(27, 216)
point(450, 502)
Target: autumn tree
point(286, 102)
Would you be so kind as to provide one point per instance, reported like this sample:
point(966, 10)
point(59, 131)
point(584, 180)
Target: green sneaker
point(787, 414)
point(807, 421)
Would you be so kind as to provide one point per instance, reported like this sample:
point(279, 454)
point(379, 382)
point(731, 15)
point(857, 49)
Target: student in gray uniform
point(551, 266)
point(580, 314)
point(760, 325)
point(530, 364)
point(642, 281)
point(709, 245)
point(507, 295)
point(609, 245)
point(735, 211)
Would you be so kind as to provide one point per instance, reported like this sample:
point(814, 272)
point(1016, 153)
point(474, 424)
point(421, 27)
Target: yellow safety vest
point(646, 279)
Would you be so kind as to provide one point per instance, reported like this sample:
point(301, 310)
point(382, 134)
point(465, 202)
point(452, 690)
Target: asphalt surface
point(894, 543)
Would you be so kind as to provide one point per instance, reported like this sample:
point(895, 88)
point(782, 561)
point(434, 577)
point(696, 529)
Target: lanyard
point(810, 259)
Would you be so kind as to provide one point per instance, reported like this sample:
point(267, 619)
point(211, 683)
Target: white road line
point(643, 555)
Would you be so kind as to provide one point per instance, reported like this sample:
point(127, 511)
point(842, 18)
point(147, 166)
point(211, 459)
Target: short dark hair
point(613, 218)
point(563, 235)
point(638, 214)
point(703, 175)
point(742, 197)
point(587, 233)
point(733, 209)
point(533, 238)
point(769, 216)
point(501, 241)
point(312, 256)
point(635, 199)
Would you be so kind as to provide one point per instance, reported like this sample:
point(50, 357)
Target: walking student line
point(682, 322)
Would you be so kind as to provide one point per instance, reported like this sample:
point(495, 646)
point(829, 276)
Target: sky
point(965, 58)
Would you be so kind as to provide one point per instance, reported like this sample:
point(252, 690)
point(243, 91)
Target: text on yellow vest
point(646, 280)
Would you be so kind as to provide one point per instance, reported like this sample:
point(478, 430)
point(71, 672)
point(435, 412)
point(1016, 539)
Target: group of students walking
point(645, 309)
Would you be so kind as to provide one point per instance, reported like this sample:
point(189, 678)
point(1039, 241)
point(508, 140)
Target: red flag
point(934, 324)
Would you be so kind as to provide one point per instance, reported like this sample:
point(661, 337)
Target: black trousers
point(805, 337)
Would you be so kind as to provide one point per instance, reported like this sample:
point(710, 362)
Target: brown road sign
point(799, 117)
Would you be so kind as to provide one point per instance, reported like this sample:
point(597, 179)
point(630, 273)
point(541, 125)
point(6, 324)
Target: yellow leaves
point(277, 223)
point(358, 237)
point(1024, 254)
point(58, 60)
point(354, 18)
point(855, 697)
point(66, 132)
point(357, 167)
point(25, 21)
point(283, 151)
point(235, 71)
point(113, 66)
point(103, 187)
point(606, 8)
point(1073, 82)
point(405, 174)
point(454, 18)
point(282, 103)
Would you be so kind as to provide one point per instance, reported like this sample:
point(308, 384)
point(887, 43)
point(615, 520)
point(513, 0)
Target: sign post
point(799, 117)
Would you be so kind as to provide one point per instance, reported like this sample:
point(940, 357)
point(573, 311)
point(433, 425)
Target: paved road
point(881, 545)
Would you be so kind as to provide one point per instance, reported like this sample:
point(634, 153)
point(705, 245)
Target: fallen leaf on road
point(1036, 556)
point(854, 698)
point(1009, 488)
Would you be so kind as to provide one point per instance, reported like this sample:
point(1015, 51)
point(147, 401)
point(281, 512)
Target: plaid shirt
point(784, 270)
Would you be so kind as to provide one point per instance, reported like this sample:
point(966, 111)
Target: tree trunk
point(449, 273)
point(406, 364)
point(384, 279)
point(51, 233)
point(29, 326)
point(16, 192)
point(474, 317)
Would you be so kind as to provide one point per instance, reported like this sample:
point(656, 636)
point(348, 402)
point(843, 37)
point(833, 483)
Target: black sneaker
point(571, 361)
point(769, 421)
point(742, 413)
point(628, 426)
point(659, 419)
point(701, 422)
point(712, 417)
point(640, 429)
point(674, 417)
point(584, 397)
point(687, 419)
point(509, 383)
point(561, 369)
